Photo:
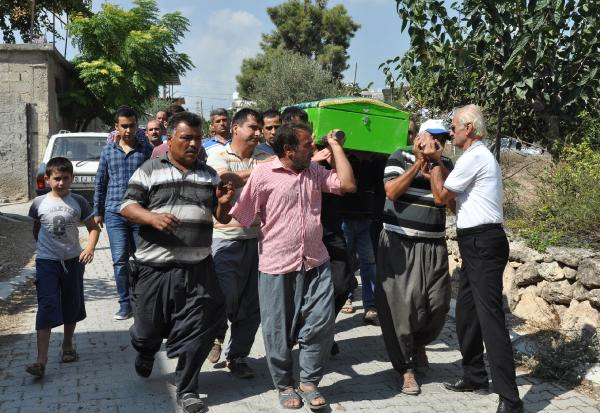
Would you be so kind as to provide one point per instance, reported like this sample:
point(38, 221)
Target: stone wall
point(33, 75)
point(14, 174)
point(559, 288)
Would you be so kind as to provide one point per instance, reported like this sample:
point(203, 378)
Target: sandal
point(287, 395)
point(36, 369)
point(348, 308)
point(69, 356)
point(309, 396)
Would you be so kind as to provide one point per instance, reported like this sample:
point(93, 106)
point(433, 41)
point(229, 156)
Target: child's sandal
point(36, 369)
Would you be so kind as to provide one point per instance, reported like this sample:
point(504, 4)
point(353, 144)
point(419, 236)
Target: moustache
point(192, 151)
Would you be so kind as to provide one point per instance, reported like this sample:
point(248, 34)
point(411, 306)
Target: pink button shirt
point(289, 207)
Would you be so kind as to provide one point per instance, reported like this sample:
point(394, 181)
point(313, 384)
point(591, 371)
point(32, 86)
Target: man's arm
point(398, 186)
point(342, 165)
point(441, 196)
point(101, 186)
point(137, 214)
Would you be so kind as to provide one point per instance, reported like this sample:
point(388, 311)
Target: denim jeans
point(122, 236)
point(358, 239)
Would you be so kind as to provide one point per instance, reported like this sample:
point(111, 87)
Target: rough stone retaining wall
point(559, 288)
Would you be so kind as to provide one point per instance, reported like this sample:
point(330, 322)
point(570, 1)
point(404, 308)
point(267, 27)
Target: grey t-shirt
point(59, 237)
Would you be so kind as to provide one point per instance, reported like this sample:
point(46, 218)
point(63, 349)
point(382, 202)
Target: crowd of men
point(258, 224)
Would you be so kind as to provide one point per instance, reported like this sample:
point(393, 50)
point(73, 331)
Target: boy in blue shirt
point(60, 261)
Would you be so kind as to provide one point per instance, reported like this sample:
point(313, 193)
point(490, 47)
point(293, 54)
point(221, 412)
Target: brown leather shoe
point(410, 385)
point(215, 352)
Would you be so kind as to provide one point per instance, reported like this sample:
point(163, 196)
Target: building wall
point(33, 75)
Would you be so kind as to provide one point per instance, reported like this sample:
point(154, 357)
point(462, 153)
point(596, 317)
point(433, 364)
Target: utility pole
point(32, 21)
point(355, 69)
point(201, 109)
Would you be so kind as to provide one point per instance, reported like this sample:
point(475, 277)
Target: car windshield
point(79, 148)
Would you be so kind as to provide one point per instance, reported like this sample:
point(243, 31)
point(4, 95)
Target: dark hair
point(287, 135)
point(291, 112)
point(218, 112)
point(125, 112)
point(58, 164)
point(173, 109)
point(442, 137)
point(242, 115)
point(189, 118)
point(271, 113)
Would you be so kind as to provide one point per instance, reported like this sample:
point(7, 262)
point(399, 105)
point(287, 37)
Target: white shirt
point(477, 179)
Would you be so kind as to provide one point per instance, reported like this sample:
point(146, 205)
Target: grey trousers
point(297, 307)
point(236, 266)
point(412, 294)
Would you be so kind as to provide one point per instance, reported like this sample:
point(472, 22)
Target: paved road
point(360, 379)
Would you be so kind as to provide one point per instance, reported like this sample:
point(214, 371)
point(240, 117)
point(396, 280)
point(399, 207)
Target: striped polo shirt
point(227, 160)
point(160, 187)
point(213, 145)
point(414, 213)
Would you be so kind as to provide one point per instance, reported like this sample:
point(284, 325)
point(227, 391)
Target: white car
point(83, 149)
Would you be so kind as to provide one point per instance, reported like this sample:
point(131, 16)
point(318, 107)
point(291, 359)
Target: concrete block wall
point(14, 172)
point(29, 74)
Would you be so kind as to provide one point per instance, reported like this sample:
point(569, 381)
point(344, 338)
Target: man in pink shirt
point(295, 287)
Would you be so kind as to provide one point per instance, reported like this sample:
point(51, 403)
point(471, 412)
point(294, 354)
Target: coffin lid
point(361, 105)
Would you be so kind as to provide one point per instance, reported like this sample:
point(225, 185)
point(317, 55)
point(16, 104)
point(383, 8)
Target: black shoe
point(191, 403)
point(240, 369)
point(143, 366)
point(506, 406)
point(461, 385)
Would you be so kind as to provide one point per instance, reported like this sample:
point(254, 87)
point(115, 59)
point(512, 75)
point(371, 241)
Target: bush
point(567, 209)
point(555, 356)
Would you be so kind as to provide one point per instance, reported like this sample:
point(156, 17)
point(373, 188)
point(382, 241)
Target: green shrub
point(551, 355)
point(567, 210)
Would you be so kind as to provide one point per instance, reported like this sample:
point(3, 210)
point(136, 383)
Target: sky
point(222, 33)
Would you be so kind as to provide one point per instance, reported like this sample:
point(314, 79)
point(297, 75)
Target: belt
point(461, 232)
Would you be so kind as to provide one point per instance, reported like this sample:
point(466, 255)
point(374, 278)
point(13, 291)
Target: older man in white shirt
point(476, 185)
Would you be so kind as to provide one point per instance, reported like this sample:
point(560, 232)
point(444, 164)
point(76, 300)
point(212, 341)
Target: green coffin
point(370, 125)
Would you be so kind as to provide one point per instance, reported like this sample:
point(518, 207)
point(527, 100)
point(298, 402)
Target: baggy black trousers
point(183, 304)
point(479, 313)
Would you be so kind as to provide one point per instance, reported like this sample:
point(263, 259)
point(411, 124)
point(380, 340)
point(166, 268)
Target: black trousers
point(343, 279)
point(479, 314)
point(183, 304)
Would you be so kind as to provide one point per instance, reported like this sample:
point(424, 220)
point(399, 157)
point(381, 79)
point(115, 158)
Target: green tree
point(293, 78)
point(16, 16)
point(305, 27)
point(532, 64)
point(126, 54)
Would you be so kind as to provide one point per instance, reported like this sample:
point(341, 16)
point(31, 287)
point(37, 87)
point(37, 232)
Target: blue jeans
point(122, 236)
point(358, 239)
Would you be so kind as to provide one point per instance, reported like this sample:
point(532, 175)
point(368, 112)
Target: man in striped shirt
point(412, 288)
point(235, 248)
point(294, 286)
point(175, 292)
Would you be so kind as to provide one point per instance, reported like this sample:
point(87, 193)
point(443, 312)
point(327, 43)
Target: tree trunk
point(498, 134)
